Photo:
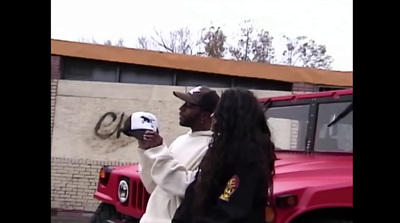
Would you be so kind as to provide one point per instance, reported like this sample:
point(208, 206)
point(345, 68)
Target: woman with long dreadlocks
point(235, 177)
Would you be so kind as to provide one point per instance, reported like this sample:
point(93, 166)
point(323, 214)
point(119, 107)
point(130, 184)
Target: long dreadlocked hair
point(240, 135)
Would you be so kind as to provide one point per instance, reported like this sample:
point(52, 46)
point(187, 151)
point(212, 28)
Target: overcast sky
point(328, 22)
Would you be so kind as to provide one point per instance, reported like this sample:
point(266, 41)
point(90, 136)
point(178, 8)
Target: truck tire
point(329, 221)
point(103, 213)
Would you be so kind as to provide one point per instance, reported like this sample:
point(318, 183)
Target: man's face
point(189, 114)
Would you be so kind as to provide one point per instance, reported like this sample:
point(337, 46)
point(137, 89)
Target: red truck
point(313, 133)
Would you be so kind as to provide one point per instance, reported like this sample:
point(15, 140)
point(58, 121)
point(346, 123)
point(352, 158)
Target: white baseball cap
point(138, 123)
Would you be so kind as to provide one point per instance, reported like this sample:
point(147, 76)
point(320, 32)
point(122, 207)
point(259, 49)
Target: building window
point(329, 88)
point(146, 75)
point(188, 78)
point(262, 84)
point(93, 70)
point(88, 70)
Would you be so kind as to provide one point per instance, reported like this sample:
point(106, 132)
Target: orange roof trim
point(202, 64)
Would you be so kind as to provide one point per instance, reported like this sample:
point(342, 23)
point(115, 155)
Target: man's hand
point(150, 139)
point(144, 144)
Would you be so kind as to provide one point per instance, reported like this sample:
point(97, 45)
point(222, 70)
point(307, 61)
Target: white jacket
point(166, 173)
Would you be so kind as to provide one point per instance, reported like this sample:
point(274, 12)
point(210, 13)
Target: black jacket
point(242, 199)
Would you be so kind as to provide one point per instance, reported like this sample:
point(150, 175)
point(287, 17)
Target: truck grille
point(139, 196)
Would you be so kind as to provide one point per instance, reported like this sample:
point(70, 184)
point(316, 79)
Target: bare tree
point(146, 44)
point(262, 48)
point(213, 40)
point(242, 51)
point(304, 52)
point(84, 40)
point(119, 42)
point(179, 41)
point(253, 47)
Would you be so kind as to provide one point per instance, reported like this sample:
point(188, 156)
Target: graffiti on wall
point(105, 134)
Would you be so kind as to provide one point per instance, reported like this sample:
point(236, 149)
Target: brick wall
point(74, 181)
point(55, 75)
point(54, 83)
point(55, 67)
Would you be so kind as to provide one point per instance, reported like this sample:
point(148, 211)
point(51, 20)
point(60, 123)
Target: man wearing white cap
point(167, 171)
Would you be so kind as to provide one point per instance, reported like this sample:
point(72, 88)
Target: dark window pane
point(188, 78)
point(88, 70)
point(146, 75)
point(262, 84)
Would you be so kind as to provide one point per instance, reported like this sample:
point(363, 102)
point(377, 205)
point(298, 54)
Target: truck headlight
point(123, 191)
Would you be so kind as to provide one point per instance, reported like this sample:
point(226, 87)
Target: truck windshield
point(289, 125)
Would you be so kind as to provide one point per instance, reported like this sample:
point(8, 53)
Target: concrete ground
point(70, 220)
point(58, 216)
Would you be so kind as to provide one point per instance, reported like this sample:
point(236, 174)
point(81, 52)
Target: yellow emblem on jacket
point(230, 187)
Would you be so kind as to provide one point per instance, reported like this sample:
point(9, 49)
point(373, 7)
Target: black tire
point(333, 215)
point(134, 220)
point(103, 213)
point(328, 221)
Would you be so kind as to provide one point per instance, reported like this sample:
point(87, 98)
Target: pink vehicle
point(313, 134)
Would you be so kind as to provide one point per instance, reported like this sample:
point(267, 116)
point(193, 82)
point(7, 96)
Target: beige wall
point(81, 104)
point(77, 153)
